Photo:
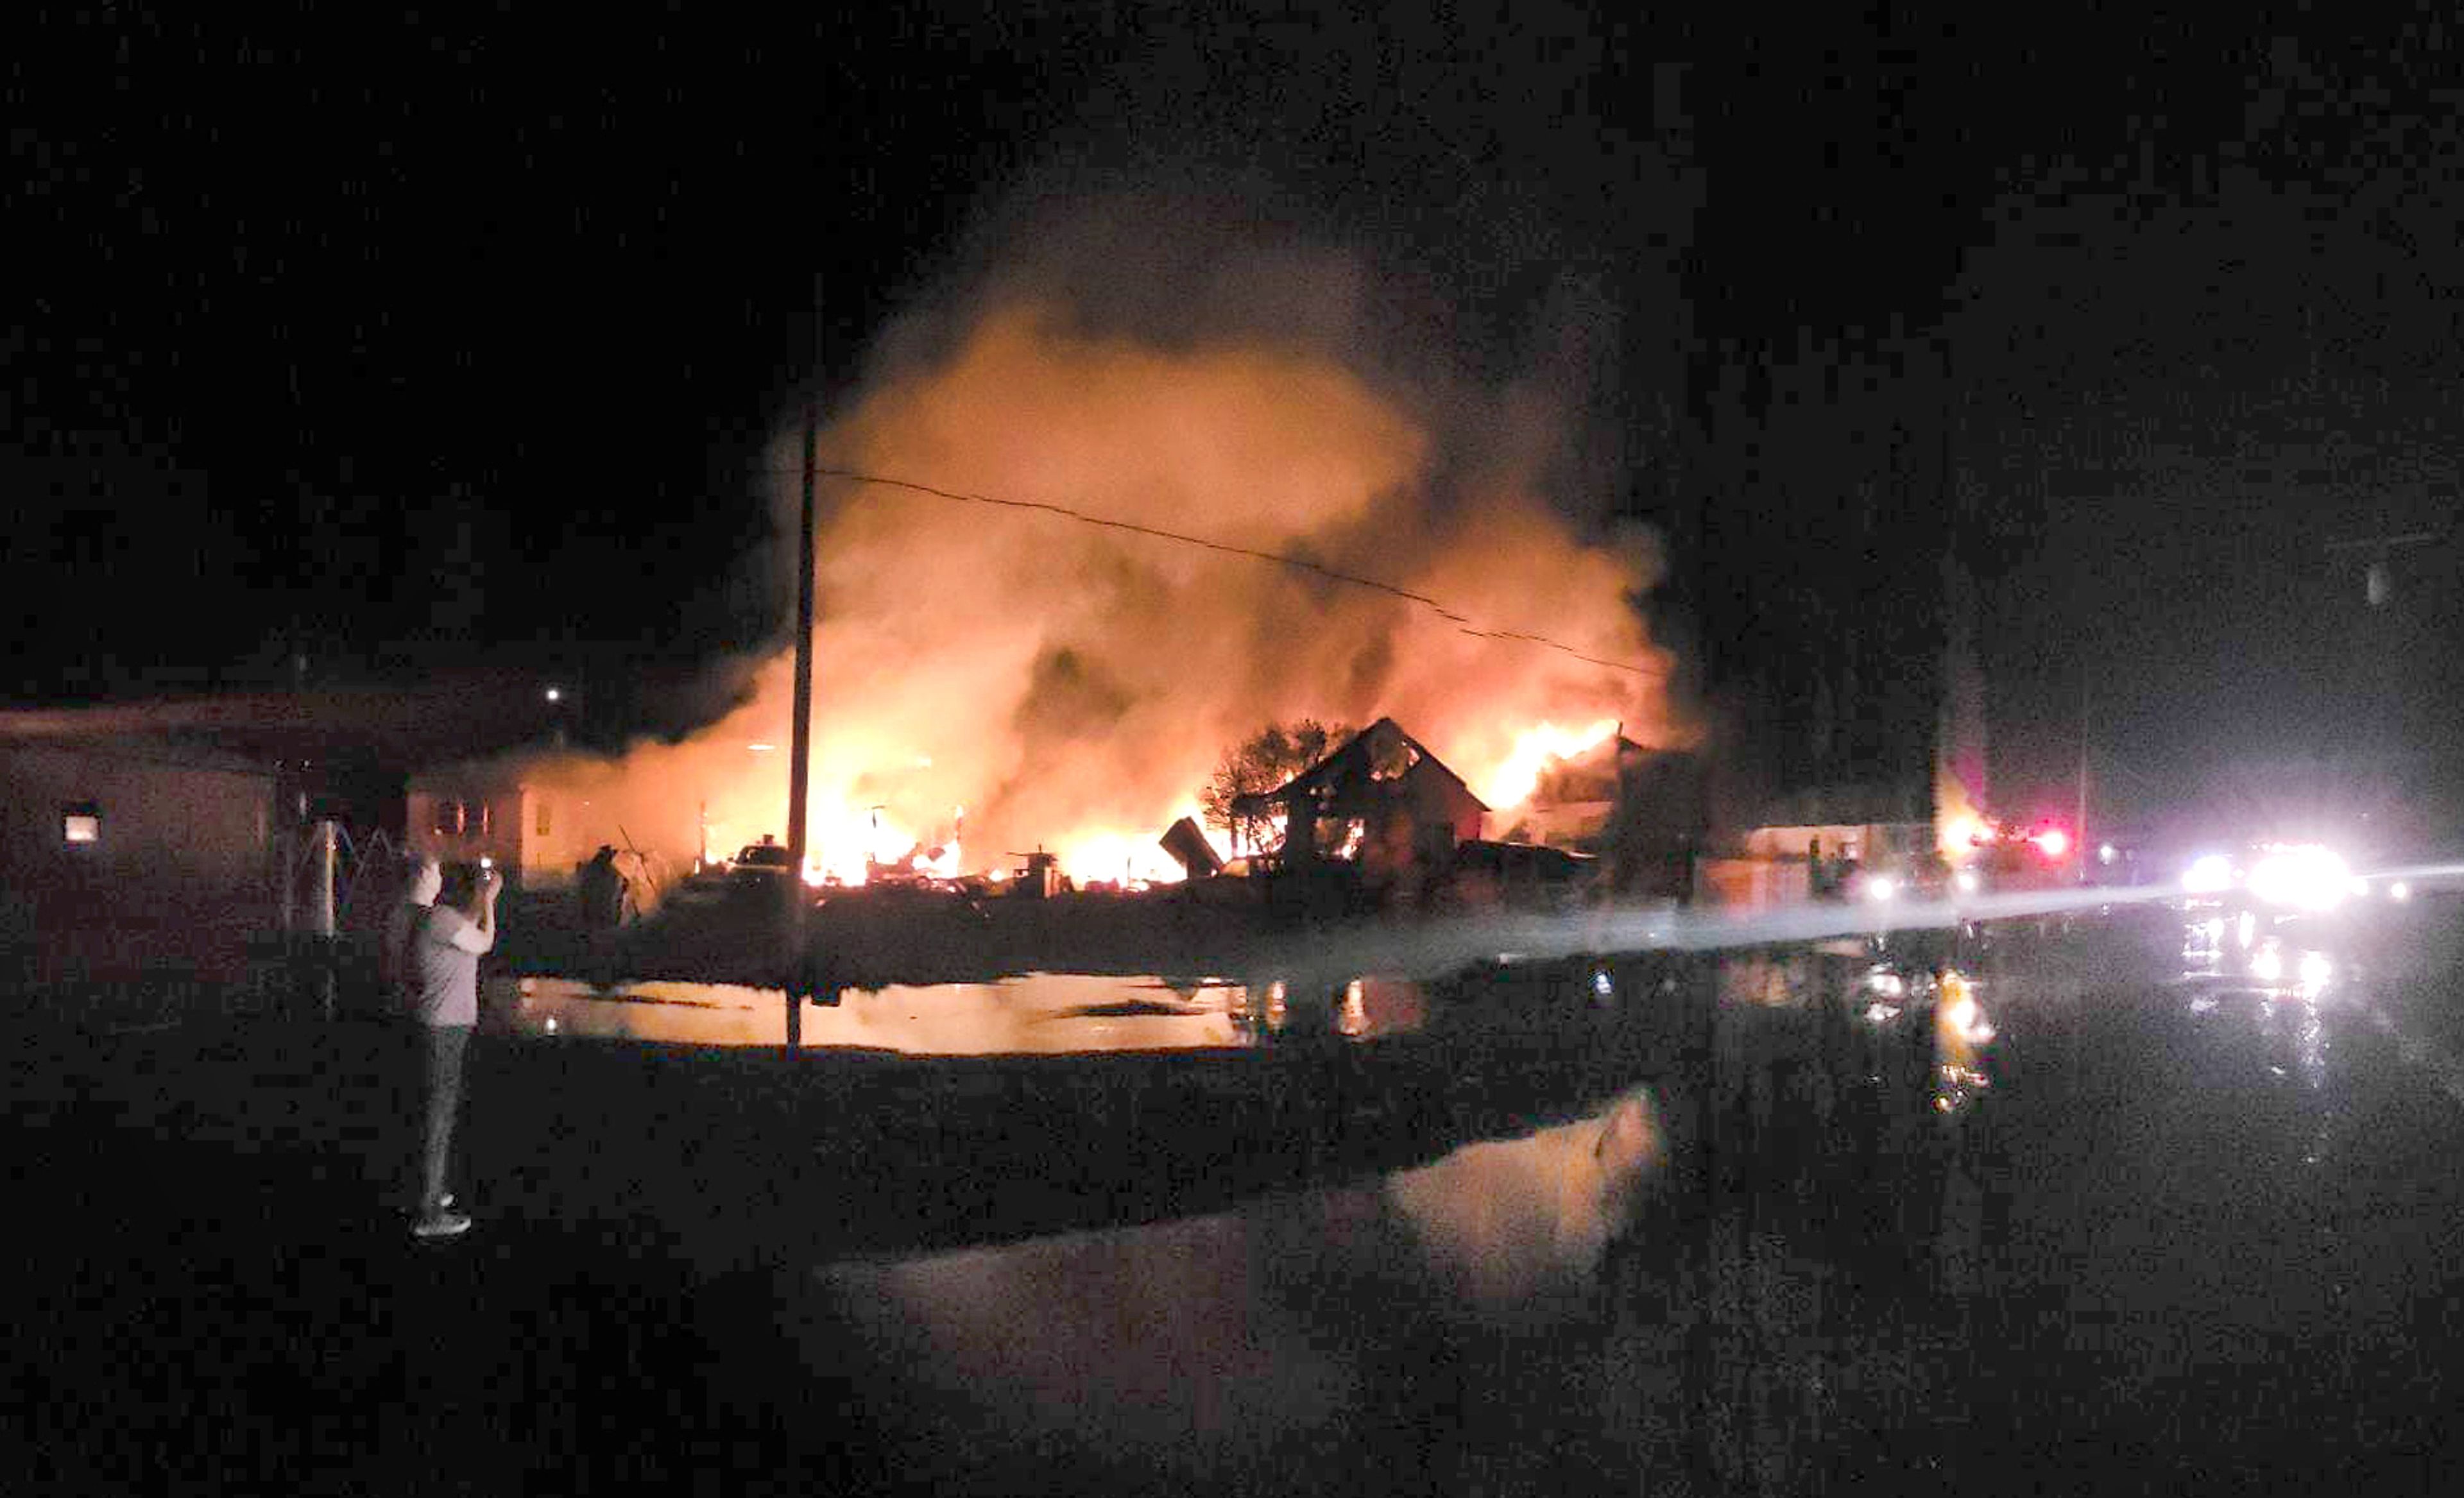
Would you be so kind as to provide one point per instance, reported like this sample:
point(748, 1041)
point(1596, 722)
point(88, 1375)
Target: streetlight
point(558, 715)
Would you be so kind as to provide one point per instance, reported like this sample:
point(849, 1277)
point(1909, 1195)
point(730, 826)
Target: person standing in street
point(445, 945)
point(396, 997)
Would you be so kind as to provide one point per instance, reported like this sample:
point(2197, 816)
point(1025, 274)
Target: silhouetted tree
point(1274, 755)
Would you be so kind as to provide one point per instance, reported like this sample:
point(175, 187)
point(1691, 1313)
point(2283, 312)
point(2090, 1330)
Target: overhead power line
point(1461, 624)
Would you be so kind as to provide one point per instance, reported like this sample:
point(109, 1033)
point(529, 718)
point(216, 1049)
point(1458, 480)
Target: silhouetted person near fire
point(446, 946)
point(601, 889)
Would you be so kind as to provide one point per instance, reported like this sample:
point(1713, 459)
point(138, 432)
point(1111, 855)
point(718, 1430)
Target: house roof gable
point(1354, 749)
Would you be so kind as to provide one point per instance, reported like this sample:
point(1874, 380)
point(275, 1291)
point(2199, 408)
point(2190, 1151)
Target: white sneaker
point(443, 1223)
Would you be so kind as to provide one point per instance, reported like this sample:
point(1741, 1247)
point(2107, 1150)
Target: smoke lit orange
point(1073, 687)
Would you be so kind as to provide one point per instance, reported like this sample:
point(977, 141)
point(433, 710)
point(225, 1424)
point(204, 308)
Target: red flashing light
point(2051, 841)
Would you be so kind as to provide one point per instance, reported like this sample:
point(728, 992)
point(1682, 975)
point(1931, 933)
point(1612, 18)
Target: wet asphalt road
point(2193, 1237)
point(2189, 1236)
point(2231, 1234)
point(2200, 1236)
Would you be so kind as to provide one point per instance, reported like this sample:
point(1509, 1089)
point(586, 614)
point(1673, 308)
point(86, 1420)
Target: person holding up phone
point(457, 931)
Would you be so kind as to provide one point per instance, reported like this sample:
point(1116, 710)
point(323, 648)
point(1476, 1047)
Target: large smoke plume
point(1071, 685)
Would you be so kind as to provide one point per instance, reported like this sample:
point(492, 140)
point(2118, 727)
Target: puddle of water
point(1344, 1314)
point(1071, 1013)
point(1033, 1014)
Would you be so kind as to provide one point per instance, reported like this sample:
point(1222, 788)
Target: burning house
point(1382, 805)
point(1573, 798)
point(1639, 809)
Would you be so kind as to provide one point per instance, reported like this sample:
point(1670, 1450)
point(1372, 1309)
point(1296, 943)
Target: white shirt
point(445, 951)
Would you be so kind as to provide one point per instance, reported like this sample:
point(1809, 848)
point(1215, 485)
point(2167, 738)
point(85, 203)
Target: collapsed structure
point(1380, 796)
point(1388, 819)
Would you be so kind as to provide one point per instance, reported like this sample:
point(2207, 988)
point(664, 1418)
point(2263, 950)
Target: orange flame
point(1095, 680)
point(1511, 783)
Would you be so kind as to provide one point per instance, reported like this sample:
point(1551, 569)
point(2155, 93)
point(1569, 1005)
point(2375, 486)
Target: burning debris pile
point(991, 678)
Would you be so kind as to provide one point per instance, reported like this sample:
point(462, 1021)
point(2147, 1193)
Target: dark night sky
point(434, 342)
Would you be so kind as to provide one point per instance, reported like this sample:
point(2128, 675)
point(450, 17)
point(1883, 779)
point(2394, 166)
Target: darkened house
point(464, 813)
point(1381, 806)
point(128, 860)
point(541, 818)
point(159, 844)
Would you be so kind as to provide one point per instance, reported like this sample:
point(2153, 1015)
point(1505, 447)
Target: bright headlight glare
point(2304, 878)
point(2212, 875)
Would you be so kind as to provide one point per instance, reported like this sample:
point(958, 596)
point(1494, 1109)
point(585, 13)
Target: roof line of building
point(1310, 775)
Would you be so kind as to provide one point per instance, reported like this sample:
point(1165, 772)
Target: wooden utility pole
point(799, 764)
point(2078, 826)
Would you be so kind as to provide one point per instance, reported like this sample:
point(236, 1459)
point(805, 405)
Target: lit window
point(451, 817)
point(542, 819)
point(81, 824)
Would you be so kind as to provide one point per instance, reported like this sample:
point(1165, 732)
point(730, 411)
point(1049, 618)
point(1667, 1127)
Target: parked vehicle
point(760, 865)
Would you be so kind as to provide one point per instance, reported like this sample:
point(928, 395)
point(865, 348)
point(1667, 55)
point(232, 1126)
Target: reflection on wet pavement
point(1518, 1313)
point(1206, 1343)
point(1033, 1014)
point(1901, 1220)
point(2243, 951)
